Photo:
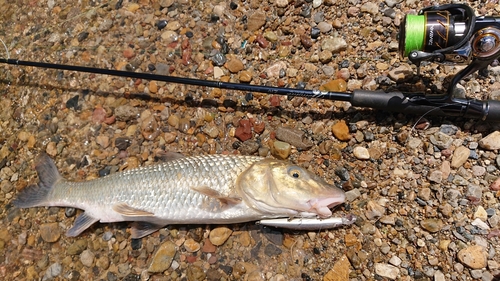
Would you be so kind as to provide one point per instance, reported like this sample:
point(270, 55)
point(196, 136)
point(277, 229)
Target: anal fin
point(82, 222)
point(129, 211)
point(140, 229)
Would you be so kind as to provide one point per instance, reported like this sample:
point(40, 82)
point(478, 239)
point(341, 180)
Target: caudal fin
point(37, 194)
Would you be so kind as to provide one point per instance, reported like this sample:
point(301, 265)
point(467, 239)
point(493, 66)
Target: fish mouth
point(322, 206)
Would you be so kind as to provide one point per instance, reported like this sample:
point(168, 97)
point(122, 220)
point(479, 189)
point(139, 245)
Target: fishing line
point(6, 49)
point(415, 30)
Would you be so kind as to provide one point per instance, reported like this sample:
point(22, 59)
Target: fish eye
point(295, 173)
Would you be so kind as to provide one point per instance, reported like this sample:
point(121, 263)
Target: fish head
point(277, 187)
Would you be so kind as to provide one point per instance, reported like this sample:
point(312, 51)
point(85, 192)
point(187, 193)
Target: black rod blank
point(189, 81)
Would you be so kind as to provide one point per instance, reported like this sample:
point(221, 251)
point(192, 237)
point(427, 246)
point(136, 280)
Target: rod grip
point(493, 111)
point(392, 101)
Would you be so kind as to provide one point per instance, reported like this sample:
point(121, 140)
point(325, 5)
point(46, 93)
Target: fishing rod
point(449, 34)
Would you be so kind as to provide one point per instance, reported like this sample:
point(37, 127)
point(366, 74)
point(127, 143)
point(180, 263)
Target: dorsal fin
point(129, 211)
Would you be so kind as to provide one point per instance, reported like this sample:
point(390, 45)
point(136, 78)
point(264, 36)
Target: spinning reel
point(451, 34)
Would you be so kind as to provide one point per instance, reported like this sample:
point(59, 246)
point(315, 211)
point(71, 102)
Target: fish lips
point(322, 206)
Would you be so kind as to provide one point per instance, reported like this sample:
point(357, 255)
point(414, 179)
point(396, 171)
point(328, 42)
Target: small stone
point(294, 137)
point(23, 136)
point(374, 210)
point(87, 258)
point(481, 213)
point(341, 131)
point(460, 155)
point(435, 176)
point(272, 250)
point(274, 69)
point(271, 36)
point(245, 76)
point(432, 225)
point(208, 247)
point(350, 239)
point(395, 260)
point(163, 257)
point(339, 271)
point(128, 53)
point(337, 85)
point(441, 140)
point(77, 247)
point(256, 21)
point(495, 186)
point(51, 149)
point(191, 246)
point(103, 141)
point(387, 270)
point(53, 271)
point(325, 27)
point(50, 232)
point(234, 65)
point(361, 153)
point(370, 7)
point(244, 130)
point(169, 36)
point(195, 273)
point(248, 147)
point(491, 141)
point(474, 257)
point(281, 3)
point(401, 72)
point(219, 235)
point(126, 113)
point(333, 44)
point(281, 150)
point(245, 239)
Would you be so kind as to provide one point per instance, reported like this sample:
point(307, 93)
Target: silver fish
point(210, 189)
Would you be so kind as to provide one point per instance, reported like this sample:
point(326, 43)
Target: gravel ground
point(425, 190)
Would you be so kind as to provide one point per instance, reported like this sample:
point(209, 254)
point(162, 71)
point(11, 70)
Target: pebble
point(234, 65)
point(339, 271)
point(435, 176)
point(274, 69)
point(333, 44)
point(244, 130)
point(481, 213)
point(370, 7)
point(374, 210)
point(491, 141)
point(401, 72)
point(325, 27)
point(50, 232)
point(337, 85)
point(219, 235)
point(387, 270)
point(191, 246)
point(87, 258)
point(294, 137)
point(53, 271)
point(432, 225)
point(248, 147)
point(163, 257)
point(245, 76)
point(361, 153)
point(77, 247)
point(495, 185)
point(474, 257)
point(281, 150)
point(460, 156)
point(441, 140)
point(256, 21)
point(341, 131)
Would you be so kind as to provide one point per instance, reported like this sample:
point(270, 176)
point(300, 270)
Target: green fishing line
point(415, 33)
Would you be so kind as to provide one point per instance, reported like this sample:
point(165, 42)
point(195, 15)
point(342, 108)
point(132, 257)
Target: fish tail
point(36, 195)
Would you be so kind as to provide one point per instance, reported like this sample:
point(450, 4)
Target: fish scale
point(207, 189)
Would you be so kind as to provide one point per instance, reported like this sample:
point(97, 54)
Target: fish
point(205, 189)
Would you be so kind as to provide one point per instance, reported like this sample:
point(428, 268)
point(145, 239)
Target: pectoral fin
point(223, 198)
point(140, 229)
point(126, 210)
point(82, 222)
